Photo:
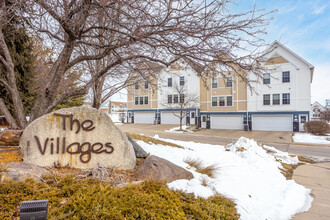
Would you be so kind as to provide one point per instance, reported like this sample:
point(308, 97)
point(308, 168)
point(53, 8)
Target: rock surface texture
point(139, 152)
point(160, 169)
point(80, 137)
point(19, 171)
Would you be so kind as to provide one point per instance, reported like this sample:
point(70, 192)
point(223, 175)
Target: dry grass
point(306, 160)
point(151, 140)
point(288, 169)
point(193, 162)
point(209, 170)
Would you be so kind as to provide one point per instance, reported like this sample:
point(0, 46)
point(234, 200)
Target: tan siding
point(151, 92)
point(276, 60)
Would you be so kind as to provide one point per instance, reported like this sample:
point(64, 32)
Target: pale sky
point(304, 27)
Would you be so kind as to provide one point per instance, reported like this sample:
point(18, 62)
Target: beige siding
point(276, 60)
point(237, 91)
point(151, 92)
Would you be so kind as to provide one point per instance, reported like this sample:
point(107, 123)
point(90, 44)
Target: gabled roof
point(276, 44)
point(317, 103)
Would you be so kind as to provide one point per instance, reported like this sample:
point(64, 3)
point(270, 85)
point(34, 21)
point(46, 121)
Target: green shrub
point(316, 127)
point(71, 198)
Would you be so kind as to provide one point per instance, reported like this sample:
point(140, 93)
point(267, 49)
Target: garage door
point(170, 118)
point(144, 117)
point(272, 123)
point(227, 122)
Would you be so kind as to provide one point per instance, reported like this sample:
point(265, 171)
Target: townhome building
point(316, 109)
point(157, 102)
point(279, 100)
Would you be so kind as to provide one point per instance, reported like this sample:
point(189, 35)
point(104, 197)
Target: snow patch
point(310, 138)
point(185, 129)
point(247, 173)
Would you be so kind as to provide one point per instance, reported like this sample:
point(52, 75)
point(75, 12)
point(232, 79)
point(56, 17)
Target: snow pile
point(115, 118)
point(185, 128)
point(310, 138)
point(2, 129)
point(246, 173)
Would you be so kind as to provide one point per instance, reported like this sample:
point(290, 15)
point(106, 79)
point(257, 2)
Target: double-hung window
point(181, 80)
point(214, 83)
point(229, 101)
point(146, 100)
point(221, 101)
point(229, 82)
point(141, 100)
point(276, 99)
point(176, 99)
point(146, 85)
point(136, 85)
point(181, 98)
point(267, 99)
point(266, 78)
point(286, 98)
point(169, 82)
point(286, 76)
point(214, 101)
point(169, 99)
point(136, 100)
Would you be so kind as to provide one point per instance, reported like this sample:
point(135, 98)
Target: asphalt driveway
point(279, 139)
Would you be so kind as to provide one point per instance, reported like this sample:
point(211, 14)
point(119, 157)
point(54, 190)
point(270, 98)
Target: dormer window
point(266, 78)
point(181, 80)
point(286, 76)
point(229, 81)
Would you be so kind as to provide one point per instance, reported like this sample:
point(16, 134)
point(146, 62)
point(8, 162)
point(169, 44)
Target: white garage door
point(227, 122)
point(171, 119)
point(272, 123)
point(144, 117)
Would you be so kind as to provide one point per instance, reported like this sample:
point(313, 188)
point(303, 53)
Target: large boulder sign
point(79, 137)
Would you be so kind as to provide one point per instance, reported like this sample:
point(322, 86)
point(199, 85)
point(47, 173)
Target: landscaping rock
point(19, 171)
point(139, 152)
point(79, 137)
point(160, 169)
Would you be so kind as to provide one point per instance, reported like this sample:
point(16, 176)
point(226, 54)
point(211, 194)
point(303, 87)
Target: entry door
point(192, 118)
point(302, 120)
point(203, 121)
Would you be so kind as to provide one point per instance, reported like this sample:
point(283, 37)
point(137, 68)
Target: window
point(286, 98)
point(146, 100)
point(303, 119)
point(136, 85)
point(276, 99)
point(229, 101)
point(169, 99)
point(267, 99)
point(169, 82)
point(214, 101)
point(141, 100)
point(204, 118)
point(176, 99)
point(214, 83)
point(146, 85)
point(192, 114)
point(136, 100)
point(181, 80)
point(286, 76)
point(229, 81)
point(221, 101)
point(266, 78)
point(181, 98)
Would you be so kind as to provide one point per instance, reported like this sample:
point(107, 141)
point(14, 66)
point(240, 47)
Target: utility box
point(34, 210)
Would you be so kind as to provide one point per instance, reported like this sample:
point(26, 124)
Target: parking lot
point(281, 140)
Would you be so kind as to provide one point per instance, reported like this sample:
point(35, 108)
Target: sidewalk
point(317, 178)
